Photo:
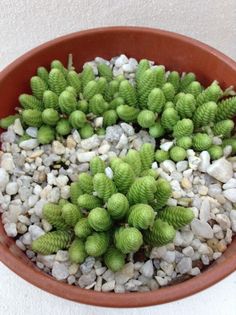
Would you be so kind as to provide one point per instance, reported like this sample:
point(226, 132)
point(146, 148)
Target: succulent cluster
point(113, 216)
point(163, 102)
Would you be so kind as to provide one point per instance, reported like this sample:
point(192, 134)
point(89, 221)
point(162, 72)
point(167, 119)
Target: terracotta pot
point(175, 52)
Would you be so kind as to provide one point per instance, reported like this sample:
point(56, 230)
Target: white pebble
point(188, 251)
point(185, 265)
point(17, 127)
point(233, 219)
point(205, 161)
point(122, 142)
point(4, 179)
point(161, 281)
point(108, 286)
point(85, 156)
point(90, 143)
point(205, 210)
point(201, 229)
point(181, 166)
point(98, 122)
point(47, 260)
point(230, 184)
point(128, 129)
point(60, 271)
point(100, 271)
point(11, 188)
point(109, 172)
point(65, 192)
point(168, 166)
point(32, 132)
point(230, 194)
point(76, 136)
point(32, 200)
point(147, 269)
point(195, 271)
point(103, 149)
point(221, 169)
point(121, 60)
point(166, 146)
point(58, 148)
point(62, 181)
point(35, 232)
point(29, 144)
point(10, 229)
point(62, 255)
point(223, 221)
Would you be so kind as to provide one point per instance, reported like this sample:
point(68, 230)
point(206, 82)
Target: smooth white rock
point(169, 256)
point(98, 285)
point(35, 232)
point(32, 132)
point(62, 255)
point(194, 162)
point(122, 142)
point(227, 150)
point(109, 172)
point(128, 129)
point(230, 194)
point(201, 229)
point(147, 269)
point(167, 268)
point(58, 148)
point(185, 265)
point(108, 286)
point(205, 210)
point(98, 122)
point(100, 271)
point(65, 192)
point(11, 188)
point(17, 127)
point(158, 252)
point(161, 281)
point(47, 260)
point(62, 180)
point(221, 169)
point(195, 271)
point(182, 166)
point(233, 219)
point(87, 265)
point(166, 146)
point(104, 148)
point(121, 60)
point(60, 271)
point(188, 251)
point(29, 144)
point(108, 275)
point(168, 166)
point(90, 143)
point(205, 161)
point(230, 184)
point(76, 136)
point(10, 229)
point(32, 200)
point(113, 133)
point(87, 279)
point(223, 221)
point(4, 179)
point(85, 156)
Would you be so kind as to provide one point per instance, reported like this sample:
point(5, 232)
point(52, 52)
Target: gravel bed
point(32, 175)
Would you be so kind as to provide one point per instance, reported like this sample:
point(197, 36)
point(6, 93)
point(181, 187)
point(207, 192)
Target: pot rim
point(36, 277)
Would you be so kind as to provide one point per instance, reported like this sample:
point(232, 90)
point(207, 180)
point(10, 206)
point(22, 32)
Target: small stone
point(169, 256)
point(221, 246)
point(195, 271)
point(227, 150)
point(128, 129)
point(88, 264)
point(196, 243)
point(167, 268)
point(32, 132)
point(185, 182)
point(125, 274)
point(203, 190)
point(47, 260)
point(70, 142)
point(223, 221)
point(108, 275)
point(230, 184)
point(113, 133)
point(26, 239)
point(108, 286)
point(232, 216)
point(201, 229)
point(166, 146)
point(29, 144)
point(205, 210)
point(185, 265)
point(65, 192)
point(230, 194)
point(90, 143)
point(205, 260)
point(11, 188)
point(103, 149)
point(168, 166)
point(58, 148)
point(4, 179)
point(21, 228)
point(171, 202)
point(147, 269)
point(32, 200)
point(100, 271)
point(10, 229)
point(132, 285)
point(76, 136)
point(62, 255)
point(203, 249)
point(71, 279)
point(20, 245)
point(122, 142)
point(61, 181)
point(53, 195)
point(109, 172)
point(98, 122)
point(228, 236)
point(60, 271)
point(73, 269)
point(17, 127)
point(188, 251)
point(87, 279)
point(205, 161)
point(35, 232)
point(221, 169)
point(181, 166)
point(194, 162)
point(161, 281)
point(158, 252)
point(121, 60)
point(216, 255)
point(85, 156)
point(98, 285)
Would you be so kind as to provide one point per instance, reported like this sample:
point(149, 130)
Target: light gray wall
point(25, 24)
